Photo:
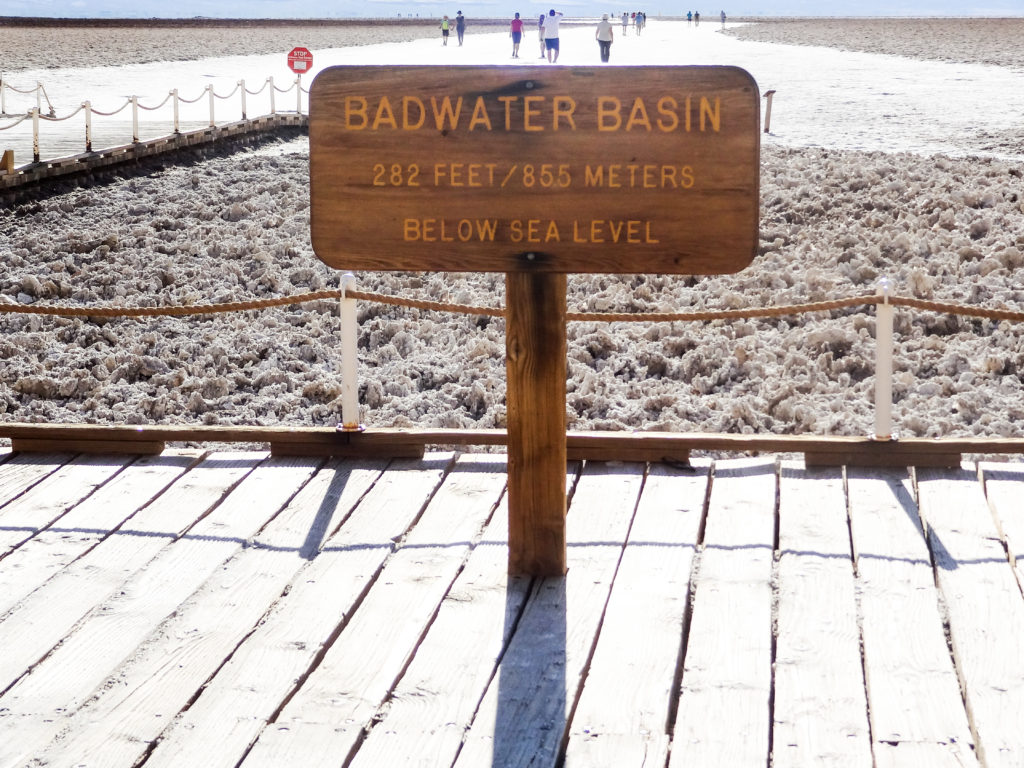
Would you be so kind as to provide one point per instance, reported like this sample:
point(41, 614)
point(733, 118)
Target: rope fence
point(35, 114)
point(882, 300)
point(745, 313)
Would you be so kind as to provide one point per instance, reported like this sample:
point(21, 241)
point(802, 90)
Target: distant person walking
point(625, 22)
point(689, 18)
point(604, 36)
point(723, 18)
point(515, 31)
point(696, 18)
point(551, 34)
point(460, 26)
point(446, 27)
point(640, 21)
point(540, 32)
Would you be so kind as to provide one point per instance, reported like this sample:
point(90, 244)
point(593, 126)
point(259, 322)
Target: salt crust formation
point(237, 227)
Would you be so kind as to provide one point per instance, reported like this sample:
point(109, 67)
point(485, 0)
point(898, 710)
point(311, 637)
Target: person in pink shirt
point(515, 31)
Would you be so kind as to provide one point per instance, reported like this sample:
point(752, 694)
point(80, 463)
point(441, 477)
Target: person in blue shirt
point(460, 26)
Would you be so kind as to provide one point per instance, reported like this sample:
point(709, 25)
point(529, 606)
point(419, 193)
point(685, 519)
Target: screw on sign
point(300, 60)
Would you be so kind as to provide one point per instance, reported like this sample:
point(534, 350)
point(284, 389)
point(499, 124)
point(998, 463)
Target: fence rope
point(227, 96)
point(257, 93)
point(33, 89)
point(183, 100)
point(68, 116)
point(21, 119)
point(469, 309)
point(152, 109)
point(111, 114)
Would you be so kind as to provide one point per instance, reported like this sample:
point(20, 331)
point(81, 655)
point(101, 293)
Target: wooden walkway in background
point(225, 609)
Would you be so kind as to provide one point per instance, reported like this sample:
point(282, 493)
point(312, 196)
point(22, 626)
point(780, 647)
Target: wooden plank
point(652, 446)
point(887, 453)
point(324, 721)
point(52, 497)
point(1004, 487)
point(723, 716)
point(221, 725)
point(20, 473)
point(433, 705)
point(135, 447)
point(986, 611)
point(131, 710)
point(87, 524)
point(524, 717)
point(624, 712)
point(917, 712)
point(535, 365)
point(101, 641)
point(820, 707)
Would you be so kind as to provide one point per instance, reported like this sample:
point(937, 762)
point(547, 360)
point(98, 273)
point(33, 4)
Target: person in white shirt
point(604, 36)
point(551, 34)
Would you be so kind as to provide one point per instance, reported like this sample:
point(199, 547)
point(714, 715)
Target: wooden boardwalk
point(236, 609)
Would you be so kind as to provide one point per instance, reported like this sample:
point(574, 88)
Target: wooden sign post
point(535, 172)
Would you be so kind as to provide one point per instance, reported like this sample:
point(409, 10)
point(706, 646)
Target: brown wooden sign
point(550, 169)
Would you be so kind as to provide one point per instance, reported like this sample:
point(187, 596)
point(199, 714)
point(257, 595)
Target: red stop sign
point(300, 60)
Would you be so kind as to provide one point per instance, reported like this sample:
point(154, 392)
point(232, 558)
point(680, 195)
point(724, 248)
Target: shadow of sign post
point(536, 172)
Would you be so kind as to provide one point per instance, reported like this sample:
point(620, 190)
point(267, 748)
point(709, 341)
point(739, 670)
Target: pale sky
point(496, 8)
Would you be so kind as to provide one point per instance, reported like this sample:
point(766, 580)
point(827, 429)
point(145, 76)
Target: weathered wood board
point(436, 700)
point(325, 719)
point(622, 717)
point(113, 631)
point(119, 724)
point(986, 610)
point(1002, 486)
point(234, 708)
point(820, 708)
point(723, 716)
point(524, 717)
point(90, 522)
point(551, 169)
point(917, 711)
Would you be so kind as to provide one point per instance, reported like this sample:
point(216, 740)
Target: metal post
point(35, 135)
point(768, 111)
point(213, 123)
point(135, 119)
point(349, 358)
point(298, 94)
point(883, 363)
point(241, 84)
point(273, 109)
point(88, 125)
point(174, 93)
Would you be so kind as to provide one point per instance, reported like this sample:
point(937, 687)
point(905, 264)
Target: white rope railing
point(35, 114)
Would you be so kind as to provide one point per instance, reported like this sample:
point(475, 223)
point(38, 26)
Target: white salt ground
point(236, 227)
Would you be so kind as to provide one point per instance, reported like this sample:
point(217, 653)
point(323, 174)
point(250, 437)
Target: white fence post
point(349, 358)
point(298, 94)
point(39, 96)
point(241, 84)
point(883, 363)
point(3, 96)
point(35, 135)
point(88, 125)
point(213, 123)
point(177, 128)
point(135, 119)
point(273, 108)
